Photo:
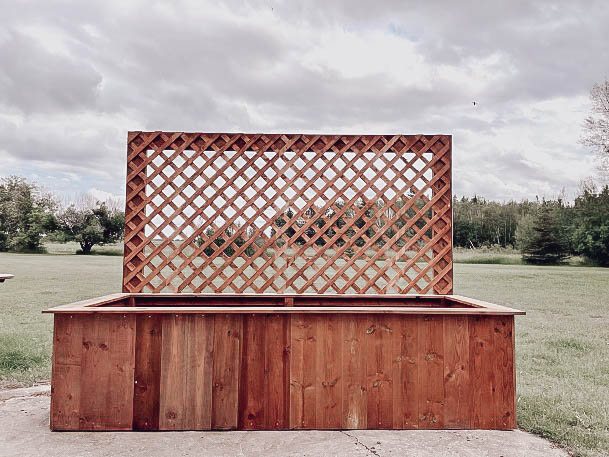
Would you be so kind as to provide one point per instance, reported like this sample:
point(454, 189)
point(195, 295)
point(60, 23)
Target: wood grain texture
point(146, 397)
point(250, 181)
point(457, 382)
point(66, 378)
point(355, 390)
point(186, 372)
point(264, 373)
point(228, 331)
point(106, 370)
point(431, 372)
point(282, 371)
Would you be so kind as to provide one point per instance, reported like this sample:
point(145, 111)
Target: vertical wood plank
point(456, 372)
point(355, 396)
point(147, 372)
point(251, 396)
point(330, 385)
point(410, 371)
point(503, 344)
point(379, 372)
point(482, 363)
point(431, 372)
point(274, 374)
point(107, 369)
point(186, 372)
point(65, 384)
point(296, 374)
point(310, 416)
point(226, 363)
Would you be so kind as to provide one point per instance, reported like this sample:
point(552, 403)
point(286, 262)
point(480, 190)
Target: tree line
point(545, 231)
point(28, 216)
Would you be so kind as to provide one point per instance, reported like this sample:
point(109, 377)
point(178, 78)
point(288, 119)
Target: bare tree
point(596, 126)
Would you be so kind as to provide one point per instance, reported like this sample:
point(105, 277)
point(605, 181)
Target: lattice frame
point(240, 213)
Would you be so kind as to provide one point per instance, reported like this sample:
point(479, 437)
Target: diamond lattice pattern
point(255, 213)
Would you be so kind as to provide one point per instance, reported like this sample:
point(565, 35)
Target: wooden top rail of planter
point(303, 281)
point(284, 304)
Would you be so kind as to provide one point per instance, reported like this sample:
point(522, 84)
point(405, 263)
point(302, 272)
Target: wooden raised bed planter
point(170, 362)
point(338, 314)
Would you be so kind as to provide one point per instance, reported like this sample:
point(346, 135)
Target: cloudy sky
point(76, 76)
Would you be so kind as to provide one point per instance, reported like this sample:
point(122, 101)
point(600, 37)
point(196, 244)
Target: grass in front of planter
point(562, 343)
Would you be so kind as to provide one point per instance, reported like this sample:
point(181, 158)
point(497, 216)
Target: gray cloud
point(75, 76)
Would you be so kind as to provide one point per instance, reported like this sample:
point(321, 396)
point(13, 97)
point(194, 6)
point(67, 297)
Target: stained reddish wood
point(431, 372)
point(409, 386)
point(186, 372)
point(482, 354)
point(264, 377)
point(149, 331)
point(66, 379)
point(207, 213)
point(182, 187)
point(457, 382)
point(301, 370)
point(379, 370)
point(106, 372)
point(503, 343)
point(355, 390)
point(226, 363)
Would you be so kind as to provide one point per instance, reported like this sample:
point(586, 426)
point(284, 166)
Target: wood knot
point(329, 383)
point(431, 356)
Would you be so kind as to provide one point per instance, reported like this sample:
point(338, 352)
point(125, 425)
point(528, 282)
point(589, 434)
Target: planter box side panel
point(92, 378)
point(278, 372)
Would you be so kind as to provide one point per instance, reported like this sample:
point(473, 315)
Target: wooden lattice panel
point(255, 213)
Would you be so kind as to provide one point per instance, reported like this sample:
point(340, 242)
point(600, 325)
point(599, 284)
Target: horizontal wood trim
point(176, 303)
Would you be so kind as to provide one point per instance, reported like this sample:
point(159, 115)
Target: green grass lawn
point(562, 343)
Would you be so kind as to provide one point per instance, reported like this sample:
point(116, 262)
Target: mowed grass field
point(562, 343)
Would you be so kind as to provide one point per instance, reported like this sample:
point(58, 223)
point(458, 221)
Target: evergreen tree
point(544, 241)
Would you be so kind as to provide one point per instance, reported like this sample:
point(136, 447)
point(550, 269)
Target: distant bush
point(26, 214)
point(591, 225)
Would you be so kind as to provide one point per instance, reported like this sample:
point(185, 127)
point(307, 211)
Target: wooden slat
point(186, 372)
point(329, 383)
point(228, 331)
point(379, 367)
point(264, 385)
point(503, 342)
point(276, 384)
point(457, 382)
point(298, 336)
point(149, 330)
point(311, 415)
point(252, 414)
point(431, 372)
point(67, 352)
point(409, 354)
point(107, 368)
point(355, 391)
point(482, 363)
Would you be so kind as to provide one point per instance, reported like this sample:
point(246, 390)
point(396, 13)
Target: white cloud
point(77, 76)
